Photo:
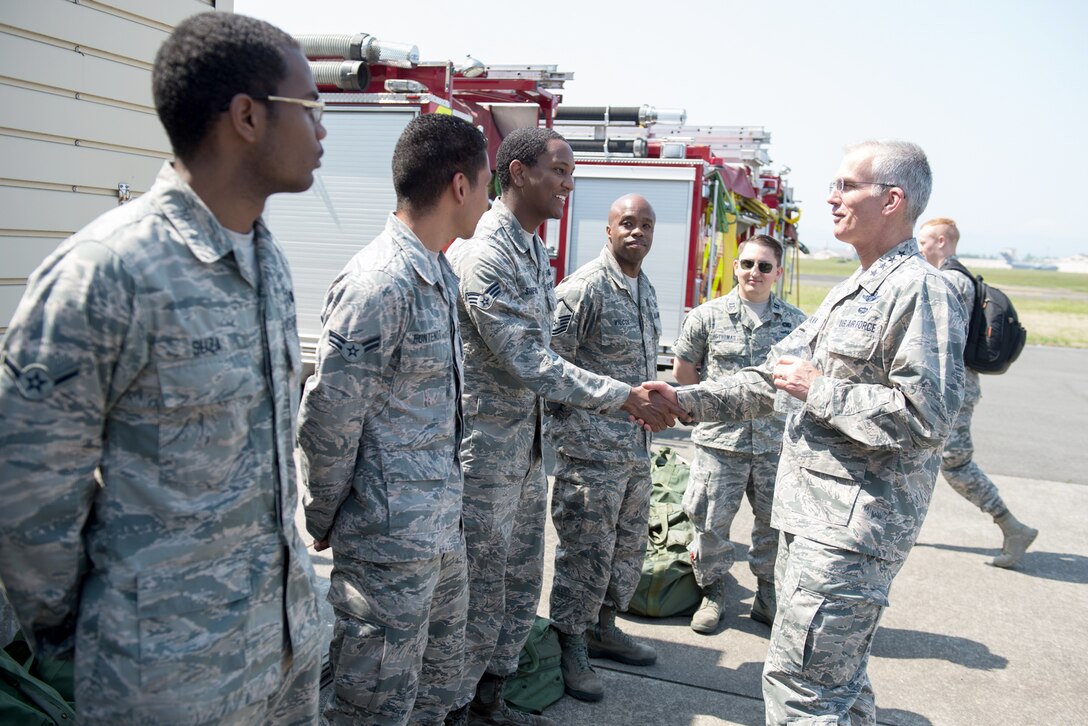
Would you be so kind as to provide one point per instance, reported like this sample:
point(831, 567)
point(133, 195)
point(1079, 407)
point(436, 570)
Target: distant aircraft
point(1025, 265)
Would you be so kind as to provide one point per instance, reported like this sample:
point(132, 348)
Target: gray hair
point(904, 165)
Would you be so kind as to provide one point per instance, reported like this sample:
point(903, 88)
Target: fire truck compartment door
point(347, 206)
point(669, 190)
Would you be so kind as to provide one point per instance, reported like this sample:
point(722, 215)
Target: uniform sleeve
point(363, 323)
point(63, 360)
point(513, 332)
point(916, 408)
point(575, 319)
point(691, 343)
point(743, 396)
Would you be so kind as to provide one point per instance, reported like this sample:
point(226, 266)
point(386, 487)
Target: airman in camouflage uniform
point(149, 387)
point(877, 389)
point(937, 240)
point(379, 430)
point(505, 309)
point(735, 458)
point(607, 322)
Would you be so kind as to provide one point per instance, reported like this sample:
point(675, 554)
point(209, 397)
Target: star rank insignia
point(485, 299)
point(563, 315)
point(350, 350)
point(34, 381)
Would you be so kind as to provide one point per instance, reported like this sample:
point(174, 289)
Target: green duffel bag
point(539, 680)
point(34, 691)
point(667, 585)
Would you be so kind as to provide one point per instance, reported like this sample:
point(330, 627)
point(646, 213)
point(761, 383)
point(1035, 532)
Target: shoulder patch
point(34, 381)
point(563, 316)
point(350, 350)
point(485, 299)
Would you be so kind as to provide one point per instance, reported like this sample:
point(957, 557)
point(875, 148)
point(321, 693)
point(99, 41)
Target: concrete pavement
point(962, 643)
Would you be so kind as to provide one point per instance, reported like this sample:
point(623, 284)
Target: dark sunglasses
point(764, 267)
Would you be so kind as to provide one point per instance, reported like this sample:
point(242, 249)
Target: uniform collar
point(619, 277)
point(871, 279)
point(200, 231)
point(522, 238)
point(421, 259)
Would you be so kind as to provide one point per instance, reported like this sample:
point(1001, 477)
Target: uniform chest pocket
point(423, 352)
point(852, 347)
point(728, 346)
point(208, 410)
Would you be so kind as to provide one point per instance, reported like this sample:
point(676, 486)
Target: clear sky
point(995, 92)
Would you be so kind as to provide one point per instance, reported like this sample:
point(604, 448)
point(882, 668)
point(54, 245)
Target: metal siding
point(45, 113)
point(46, 210)
point(667, 262)
point(64, 70)
point(22, 255)
point(9, 300)
point(321, 229)
point(86, 27)
point(38, 161)
point(168, 12)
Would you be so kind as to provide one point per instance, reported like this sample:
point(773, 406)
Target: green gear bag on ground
point(34, 691)
point(667, 586)
point(539, 680)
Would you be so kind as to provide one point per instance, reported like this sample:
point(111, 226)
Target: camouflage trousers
point(719, 481)
point(960, 470)
point(829, 604)
point(398, 644)
point(504, 534)
point(600, 511)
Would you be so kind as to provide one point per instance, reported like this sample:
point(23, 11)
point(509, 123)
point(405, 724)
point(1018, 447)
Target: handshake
point(653, 405)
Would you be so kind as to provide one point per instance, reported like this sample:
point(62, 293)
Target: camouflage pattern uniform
point(957, 465)
point(505, 307)
point(859, 461)
point(147, 478)
point(737, 457)
point(601, 494)
point(379, 432)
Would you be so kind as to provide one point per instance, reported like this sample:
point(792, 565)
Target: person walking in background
point(937, 240)
point(380, 428)
point(505, 309)
point(606, 322)
point(148, 389)
point(877, 387)
point(732, 459)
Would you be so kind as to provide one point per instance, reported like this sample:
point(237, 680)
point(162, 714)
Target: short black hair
point(431, 149)
point(524, 145)
point(767, 241)
point(206, 61)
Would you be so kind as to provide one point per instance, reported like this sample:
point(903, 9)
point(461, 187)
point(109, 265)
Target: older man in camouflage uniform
point(877, 387)
point(505, 308)
point(607, 322)
point(379, 430)
point(150, 381)
point(719, 338)
point(937, 240)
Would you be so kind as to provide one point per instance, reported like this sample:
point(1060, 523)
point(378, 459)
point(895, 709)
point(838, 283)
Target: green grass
point(1053, 306)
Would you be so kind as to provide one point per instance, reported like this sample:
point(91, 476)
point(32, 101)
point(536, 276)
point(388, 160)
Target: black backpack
point(995, 336)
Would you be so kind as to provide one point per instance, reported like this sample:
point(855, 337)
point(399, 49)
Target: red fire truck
point(708, 186)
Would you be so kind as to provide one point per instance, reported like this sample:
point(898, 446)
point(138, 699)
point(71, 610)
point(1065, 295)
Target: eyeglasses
point(764, 267)
point(843, 185)
point(316, 108)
